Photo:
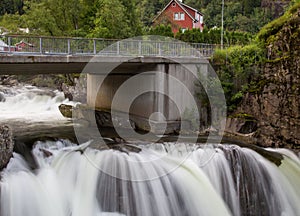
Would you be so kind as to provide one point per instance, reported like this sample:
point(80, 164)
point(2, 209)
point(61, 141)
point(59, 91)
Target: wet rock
point(46, 153)
point(2, 97)
point(8, 80)
point(66, 110)
point(76, 91)
point(6, 145)
point(102, 118)
point(243, 125)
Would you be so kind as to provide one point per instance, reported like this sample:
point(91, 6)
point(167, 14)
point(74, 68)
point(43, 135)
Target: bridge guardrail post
point(9, 44)
point(94, 47)
point(140, 48)
point(159, 49)
point(118, 48)
point(69, 46)
point(41, 45)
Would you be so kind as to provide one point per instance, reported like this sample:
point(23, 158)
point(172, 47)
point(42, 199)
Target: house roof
point(29, 44)
point(183, 7)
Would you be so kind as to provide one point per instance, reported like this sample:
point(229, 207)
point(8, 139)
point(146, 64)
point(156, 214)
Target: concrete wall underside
point(171, 89)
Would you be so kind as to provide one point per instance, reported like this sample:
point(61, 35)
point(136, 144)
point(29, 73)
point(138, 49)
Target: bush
point(213, 36)
point(162, 30)
point(236, 67)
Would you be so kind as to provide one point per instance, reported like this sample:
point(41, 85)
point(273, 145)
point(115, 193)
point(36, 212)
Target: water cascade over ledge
point(163, 179)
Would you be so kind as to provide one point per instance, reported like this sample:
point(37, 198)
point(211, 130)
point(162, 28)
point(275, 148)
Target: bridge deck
point(44, 55)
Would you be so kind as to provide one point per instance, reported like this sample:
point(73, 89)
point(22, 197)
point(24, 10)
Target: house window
point(174, 4)
point(179, 16)
point(201, 19)
point(182, 16)
point(176, 16)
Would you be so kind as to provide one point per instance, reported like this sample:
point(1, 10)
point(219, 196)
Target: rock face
point(77, 91)
point(6, 146)
point(276, 103)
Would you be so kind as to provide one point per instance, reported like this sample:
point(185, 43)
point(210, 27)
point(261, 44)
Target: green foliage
point(12, 22)
point(149, 9)
point(239, 67)
point(246, 15)
point(53, 17)
point(161, 30)
point(11, 7)
point(79, 18)
point(236, 67)
point(115, 20)
point(124, 18)
point(273, 27)
point(213, 36)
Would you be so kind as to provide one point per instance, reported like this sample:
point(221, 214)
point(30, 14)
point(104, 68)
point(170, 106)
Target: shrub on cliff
point(237, 67)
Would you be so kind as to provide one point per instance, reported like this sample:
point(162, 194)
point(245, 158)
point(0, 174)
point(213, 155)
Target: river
point(161, 179)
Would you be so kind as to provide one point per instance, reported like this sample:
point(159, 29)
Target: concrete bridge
point(112, 63)
point(48, 55)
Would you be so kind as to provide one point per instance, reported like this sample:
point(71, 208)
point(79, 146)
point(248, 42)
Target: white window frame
point(176, 16)
point(182, 16)
point(179, 16)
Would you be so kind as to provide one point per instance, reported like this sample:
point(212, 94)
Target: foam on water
point(28, 103)
point(235, 181)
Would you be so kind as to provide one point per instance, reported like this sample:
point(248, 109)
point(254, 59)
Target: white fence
point(106, 47)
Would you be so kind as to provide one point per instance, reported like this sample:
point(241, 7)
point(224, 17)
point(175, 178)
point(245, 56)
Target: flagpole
point(222, 27)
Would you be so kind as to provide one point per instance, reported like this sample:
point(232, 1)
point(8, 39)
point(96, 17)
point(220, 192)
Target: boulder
point(66, 110)
point(6, 145)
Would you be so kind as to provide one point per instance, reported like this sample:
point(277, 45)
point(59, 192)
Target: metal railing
point(106, 47)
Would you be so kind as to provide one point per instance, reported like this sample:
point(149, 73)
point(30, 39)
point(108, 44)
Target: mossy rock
point(66, 110)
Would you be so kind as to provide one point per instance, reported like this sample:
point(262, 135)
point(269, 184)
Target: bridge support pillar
point(150, 106)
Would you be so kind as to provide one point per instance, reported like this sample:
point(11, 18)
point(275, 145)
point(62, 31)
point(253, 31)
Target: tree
point(39, 19)
point(150, 9)
point(53, 17)
point(11, 7)
point(110, 22)
point(131, 14)
point(12, 22)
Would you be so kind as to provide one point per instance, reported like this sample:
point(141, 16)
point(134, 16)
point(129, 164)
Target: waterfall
point(166, 179)
point(163, 179)
point(28, 103)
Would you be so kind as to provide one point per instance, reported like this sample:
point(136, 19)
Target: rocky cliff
point(275, 98)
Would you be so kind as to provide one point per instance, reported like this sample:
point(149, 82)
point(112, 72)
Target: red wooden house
point(24, 46)
point(180, 16)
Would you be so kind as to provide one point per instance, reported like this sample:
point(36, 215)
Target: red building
point(180, 16)
point(24, 46)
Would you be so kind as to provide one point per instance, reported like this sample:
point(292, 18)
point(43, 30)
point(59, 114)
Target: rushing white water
point(69, 184)
point(247, 182)
point(163, 179)
point(72, 181)
point(28, 103)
